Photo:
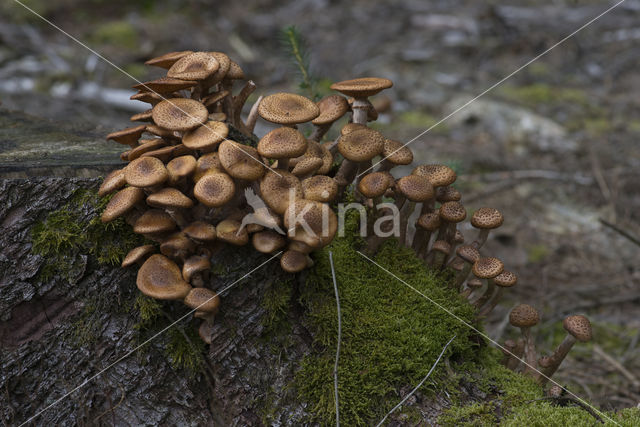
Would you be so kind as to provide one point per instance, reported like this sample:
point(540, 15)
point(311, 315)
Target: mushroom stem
point(239, 101)
point(252, 118)
point(481, 238)
point(488, 308)
point(385, 166)
point(513, 361)
point(557, 357)
point(346, 173)
point(319, 131)
point(463, 274)
point(227, 101)
point(360, 108)
point(405, 213)
point(487, 294)
point(529, 352)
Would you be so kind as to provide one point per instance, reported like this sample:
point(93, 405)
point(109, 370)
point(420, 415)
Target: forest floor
point(554, 147)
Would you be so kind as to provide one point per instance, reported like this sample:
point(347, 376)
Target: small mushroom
point(203, 300)
point(206, 137)
point(485, 219)
point(524, 316)
point(279, 190)
point(504, 280)
point(357, 148)
point(137, 255)
point(122, 203)
point(268, 241)
point(160, 278)
point(416, 189)
point(195, 270)
point(469, 255)
point(287, 109)
point(282, 144)
point(231, 231)
point(394, 154)
point(180, 114)
point(293, 261)
point(165, 85)
point(451, 214)
point(320, 188)
point(331, 107)
point(426, 225)
point(146, 172)
point(128, 136)
point(487, 269)
point(112, 182)
point(361, 89)
point(167, 60)
point(578, 328)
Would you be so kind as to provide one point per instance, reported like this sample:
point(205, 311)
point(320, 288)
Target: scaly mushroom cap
point(474, 283)
point(177, 245)
point(441, 246)
point(225, 64)
point(438, 175)
point(363, 87)
point(506, 279)
point(319, 218)
point(165, 85)
point(320, 188)
point(293, 262)
point(487, 218)
point(171, 198)
point(148, 97)
point(361, 145)
point(235, 72)
point(167, 134)
point(374, 184)
point(206, 137)
point(578, 326)
point(452, 211)
point(194, 66)
point(332, 107)
point(203, 299)
point(307, 166)
point(315, 149)
point(200, 230)
point(429, 221)
point(181, 167)
point(160, 278)
point(282, 143)
point(121, 203)
point(167, 60)
point(144, 116)
point(524, 316)
point(268, 241)
point(214, 189)
point(447, 194)
point(210, 100)
point(137, 254)
point(397, 153)
point(145, 146)
point(240, 161)
point(112, 182)
point(163, 154)
point(207, 162)
point(468, 253)
point(145, 172)
point(180, 114)
point(227, 231)
point(205, 330)
point(487, 268)
point(154, 221)
point(128, 136)
point(217, 117)
point(277, 190)
point(350, 127)
point(287, 109)
point(415, 188)
point(193, 265)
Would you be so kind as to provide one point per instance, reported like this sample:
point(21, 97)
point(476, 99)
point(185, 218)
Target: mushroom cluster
point(525, 317)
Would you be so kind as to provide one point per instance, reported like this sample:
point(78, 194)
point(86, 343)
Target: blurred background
point(555, 147)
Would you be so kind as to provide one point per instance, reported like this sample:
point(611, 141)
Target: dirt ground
point(554, 146)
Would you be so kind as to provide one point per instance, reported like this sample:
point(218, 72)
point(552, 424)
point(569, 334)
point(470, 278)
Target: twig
point(616, 365)
point(419, 384)
point(620, 231)
point(335, 367)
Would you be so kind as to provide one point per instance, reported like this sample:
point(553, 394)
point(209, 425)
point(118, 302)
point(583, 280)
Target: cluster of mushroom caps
point(525, 317)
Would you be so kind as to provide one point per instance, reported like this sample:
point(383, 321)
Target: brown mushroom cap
point(361, 145)
point(452, 211)
point(397, 153)
point(320, 188)
point(281, 143)
point(205, 330)
point(128, 136)
point(171, 198)
point(179, 114)
point(206, 137)
point(524, 316)
point(203, 299)
point(194, 66)
point(468, 253)
point(268, 241)
point(374, 184)
point(167, 134)
point(214, 189)
point(145, 172)
point(315, 149)
point(235, 72)
point(178, 245)
point(121, 203)
point(578, 326)
point(415, 188)
point(320, 221)
point(276, 191)
point(200, 230)
point(207, 162)
point(487, 218)
point(211, 100)
point(181, 167)
point(145, 146)
point(154, 221)
point(293, 261)
point(441, 246)
point(193, 265)
point(167, 60)
point(506, 279)
point(227, 231)
point(240, 161)
point(438, 175)
point(144, 116)
point(350, 127)
point(307, 166)
point(429, 221)
point(137, 254)
point(331, 107)
point(160, 278)
point(363, 87)
point(487, 268)
point(447, 194)
point(112, 182)
point(165, 85)
point(287, 109)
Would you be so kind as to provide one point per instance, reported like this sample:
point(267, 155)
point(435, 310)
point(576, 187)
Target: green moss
point(391, 335)
point(184, 348)
point(476, 414)
point(116, 33)
point(277, 302)
point(76, 229)
point(148, 310)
